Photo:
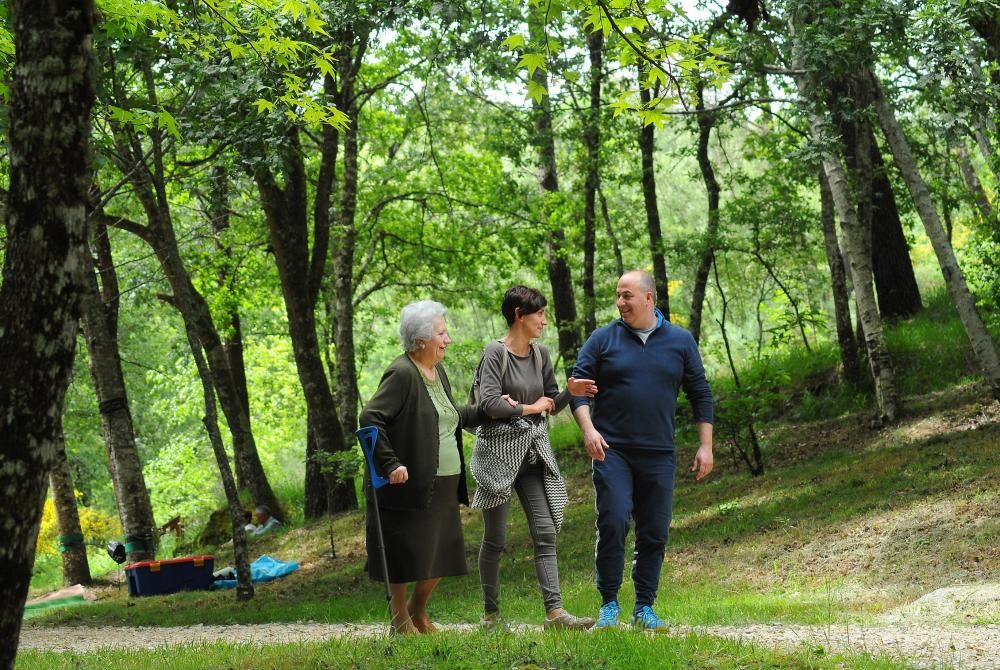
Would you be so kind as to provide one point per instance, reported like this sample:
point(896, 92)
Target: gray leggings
point(530, 489)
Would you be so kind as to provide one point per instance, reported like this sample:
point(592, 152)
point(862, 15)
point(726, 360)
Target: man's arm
point(593, 441)
point(703, 461)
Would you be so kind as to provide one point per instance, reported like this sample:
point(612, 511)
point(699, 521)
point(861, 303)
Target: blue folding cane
point(367, 436)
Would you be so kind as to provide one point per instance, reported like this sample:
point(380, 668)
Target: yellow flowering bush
point(96, 526)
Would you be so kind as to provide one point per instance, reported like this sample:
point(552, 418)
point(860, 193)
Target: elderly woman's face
point(439, 340)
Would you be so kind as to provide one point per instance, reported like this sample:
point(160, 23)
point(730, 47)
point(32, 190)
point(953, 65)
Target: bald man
point(639, 362)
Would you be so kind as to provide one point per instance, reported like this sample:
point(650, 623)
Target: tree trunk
point(975, 186)
point(647, 146)
point(563, 300)
point(898, 293)
point(609, 229)
point(841, 299)
point(982, 344)
point(895, 283)
point(149, 184)
point(232, 338)
point(286, 213)
point(76, 570)
point(244, 586)
point(706, 122)
point(100, 332)
point(859, 260)
point(343, 286)
point(592, 145)
point(48, 134)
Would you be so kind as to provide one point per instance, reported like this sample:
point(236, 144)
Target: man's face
point(634, 304)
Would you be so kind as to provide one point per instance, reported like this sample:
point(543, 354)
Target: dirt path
point(969, 647)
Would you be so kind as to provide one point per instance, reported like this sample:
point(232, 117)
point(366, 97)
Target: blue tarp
point(264, 569)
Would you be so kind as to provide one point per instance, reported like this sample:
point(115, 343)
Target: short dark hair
point(527, 300)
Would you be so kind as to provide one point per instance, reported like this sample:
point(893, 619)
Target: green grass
point(528, 651)
point(849, 520)
point(930, 352)
point(742, 550)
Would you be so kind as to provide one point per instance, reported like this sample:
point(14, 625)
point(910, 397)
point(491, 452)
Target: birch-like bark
point(983, 346)
point(857, 242)
point(846, 341)
point(48, 136)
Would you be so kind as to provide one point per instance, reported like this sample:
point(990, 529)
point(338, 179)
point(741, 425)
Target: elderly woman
point(513, 454)
point(419, 449)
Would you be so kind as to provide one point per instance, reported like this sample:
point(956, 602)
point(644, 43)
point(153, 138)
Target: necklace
point(429, 373)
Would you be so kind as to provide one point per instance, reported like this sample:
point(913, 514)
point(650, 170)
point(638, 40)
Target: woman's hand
point(399, 475)
point(581, 387)
point(540, 406)
point(510, 401)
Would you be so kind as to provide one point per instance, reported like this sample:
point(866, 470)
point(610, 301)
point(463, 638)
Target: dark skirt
point(420, 544)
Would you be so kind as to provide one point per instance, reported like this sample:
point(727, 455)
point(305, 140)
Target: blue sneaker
point(647, 620)
point(608, 616)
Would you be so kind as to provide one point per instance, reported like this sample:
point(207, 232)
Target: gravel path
point(971, 647)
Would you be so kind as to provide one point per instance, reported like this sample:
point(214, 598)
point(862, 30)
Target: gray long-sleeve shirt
point(523, 381)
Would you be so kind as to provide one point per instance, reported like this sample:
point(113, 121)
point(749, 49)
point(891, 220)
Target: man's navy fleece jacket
point(638, 383)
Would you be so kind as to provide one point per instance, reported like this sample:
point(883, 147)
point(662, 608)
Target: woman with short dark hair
point(513, 454)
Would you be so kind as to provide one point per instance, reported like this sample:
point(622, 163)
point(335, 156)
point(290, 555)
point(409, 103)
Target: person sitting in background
point(265, 522)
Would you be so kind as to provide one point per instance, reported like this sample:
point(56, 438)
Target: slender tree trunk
point(592, 144)
point(100, 332)
point(982, 344)
point(706, 122)
point(975, 186)
point(149, 184)
point(841, 298)
point(563, 300)
point(859, 260)
point(343, 285)
point(647, 147)
point(244, 586)
point(232, 337)
point(609, 229)
point(48, 135)
point(76, 570)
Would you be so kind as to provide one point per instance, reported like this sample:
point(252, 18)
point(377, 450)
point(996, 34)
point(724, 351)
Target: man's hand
point(595, 445)
point(399, 475)
point(581, 387)
point(703, 462)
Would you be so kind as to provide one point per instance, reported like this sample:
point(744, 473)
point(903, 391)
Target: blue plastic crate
point(154, 578)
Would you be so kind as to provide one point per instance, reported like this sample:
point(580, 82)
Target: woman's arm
point(491, 390)
point(379, 411)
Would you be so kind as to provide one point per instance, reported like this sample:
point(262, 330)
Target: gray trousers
point(531, 491)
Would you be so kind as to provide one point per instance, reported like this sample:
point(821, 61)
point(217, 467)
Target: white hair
point(416, 322)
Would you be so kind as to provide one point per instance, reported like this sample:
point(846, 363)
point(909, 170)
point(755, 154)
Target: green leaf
point(324, 65)
point(513, 42)
point(536, 91)
point(316, 25)
point(532, 62)
point(264, 105)
point(165, 119)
